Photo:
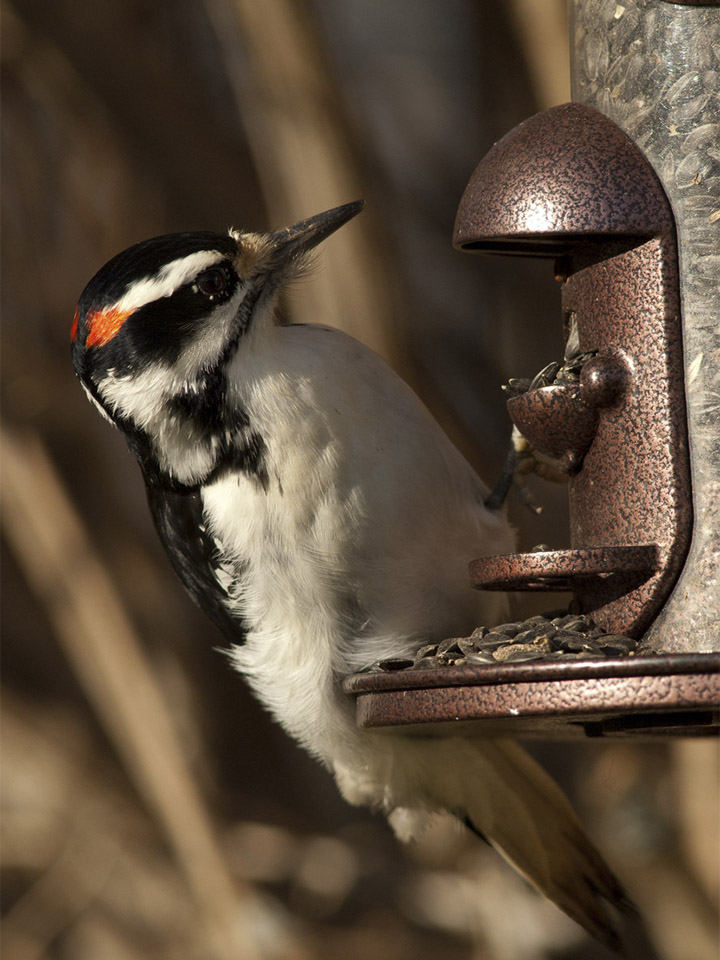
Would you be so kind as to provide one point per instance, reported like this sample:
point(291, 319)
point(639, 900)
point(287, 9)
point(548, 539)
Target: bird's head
point(156, 327)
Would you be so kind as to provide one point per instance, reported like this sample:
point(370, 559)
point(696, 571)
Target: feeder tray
point(654, 695)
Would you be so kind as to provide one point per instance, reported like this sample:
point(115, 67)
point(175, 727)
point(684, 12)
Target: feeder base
point(641, 696)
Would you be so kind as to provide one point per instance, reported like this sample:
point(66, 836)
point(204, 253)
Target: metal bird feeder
point(621, 190)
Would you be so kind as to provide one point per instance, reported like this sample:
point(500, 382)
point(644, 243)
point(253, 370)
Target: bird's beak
point(292, 242)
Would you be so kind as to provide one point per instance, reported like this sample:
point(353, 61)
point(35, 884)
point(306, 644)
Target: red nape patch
point(103, 325)
point(76, 320)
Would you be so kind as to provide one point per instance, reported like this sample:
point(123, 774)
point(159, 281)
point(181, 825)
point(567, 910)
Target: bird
point(320, 516)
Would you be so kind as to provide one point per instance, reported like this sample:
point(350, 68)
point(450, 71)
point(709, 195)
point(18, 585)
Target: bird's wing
point(195, 556)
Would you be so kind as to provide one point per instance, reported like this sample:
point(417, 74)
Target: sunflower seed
point(392, 664)
point(505, 629)
point(427, 651)
point(479, 658)
point(514, 652)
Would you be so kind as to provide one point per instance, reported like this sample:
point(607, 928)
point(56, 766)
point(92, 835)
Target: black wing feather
point(178, 517)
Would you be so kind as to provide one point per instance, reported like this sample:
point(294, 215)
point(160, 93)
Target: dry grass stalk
point(542, 30)
point(54, 552)
point(291, 111)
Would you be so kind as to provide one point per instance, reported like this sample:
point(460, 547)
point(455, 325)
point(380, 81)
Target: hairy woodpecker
point(319, 515)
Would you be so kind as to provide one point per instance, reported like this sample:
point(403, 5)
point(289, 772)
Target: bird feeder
point(619, 190)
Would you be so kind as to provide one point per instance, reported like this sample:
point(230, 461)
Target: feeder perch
point(569, 184)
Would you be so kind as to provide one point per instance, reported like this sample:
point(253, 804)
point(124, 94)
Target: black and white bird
point(319, 515)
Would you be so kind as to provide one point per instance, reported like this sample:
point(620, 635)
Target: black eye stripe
point(146, 259)
point(159, 330)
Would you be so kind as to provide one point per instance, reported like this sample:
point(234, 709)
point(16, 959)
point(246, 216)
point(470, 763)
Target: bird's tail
point(501, 793)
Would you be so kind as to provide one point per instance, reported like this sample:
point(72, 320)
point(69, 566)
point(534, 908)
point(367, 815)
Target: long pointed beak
point(294, 241)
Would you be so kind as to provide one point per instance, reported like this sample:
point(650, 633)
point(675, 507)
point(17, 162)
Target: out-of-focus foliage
point(126, 119)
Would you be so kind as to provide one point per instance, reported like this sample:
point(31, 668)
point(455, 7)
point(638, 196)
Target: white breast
point(358, 547)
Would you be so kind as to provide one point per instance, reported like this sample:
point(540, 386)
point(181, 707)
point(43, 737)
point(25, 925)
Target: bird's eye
point(213, 282)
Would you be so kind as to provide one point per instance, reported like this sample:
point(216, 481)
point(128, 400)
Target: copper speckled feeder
point(590, 200)
point(571, 184)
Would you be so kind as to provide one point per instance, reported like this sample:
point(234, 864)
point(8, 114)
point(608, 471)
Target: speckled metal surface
point(556, 421)
point(634, 485)
point(567, 569)
point(654, 69)
point(561, 176)
point(559, 417)
point(567, 183)
point(658, 665)
point(652, 695)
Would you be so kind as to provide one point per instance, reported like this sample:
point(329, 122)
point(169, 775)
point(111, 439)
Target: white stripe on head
point(169, 279)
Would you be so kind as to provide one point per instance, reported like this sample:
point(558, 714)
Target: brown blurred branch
point(52, 548)
point(542, 30)
point(292, 114)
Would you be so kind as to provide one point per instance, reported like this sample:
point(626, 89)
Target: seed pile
point(554, 373)
point(564, 637)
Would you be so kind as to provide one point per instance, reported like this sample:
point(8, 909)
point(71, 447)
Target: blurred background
point(149, 807)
